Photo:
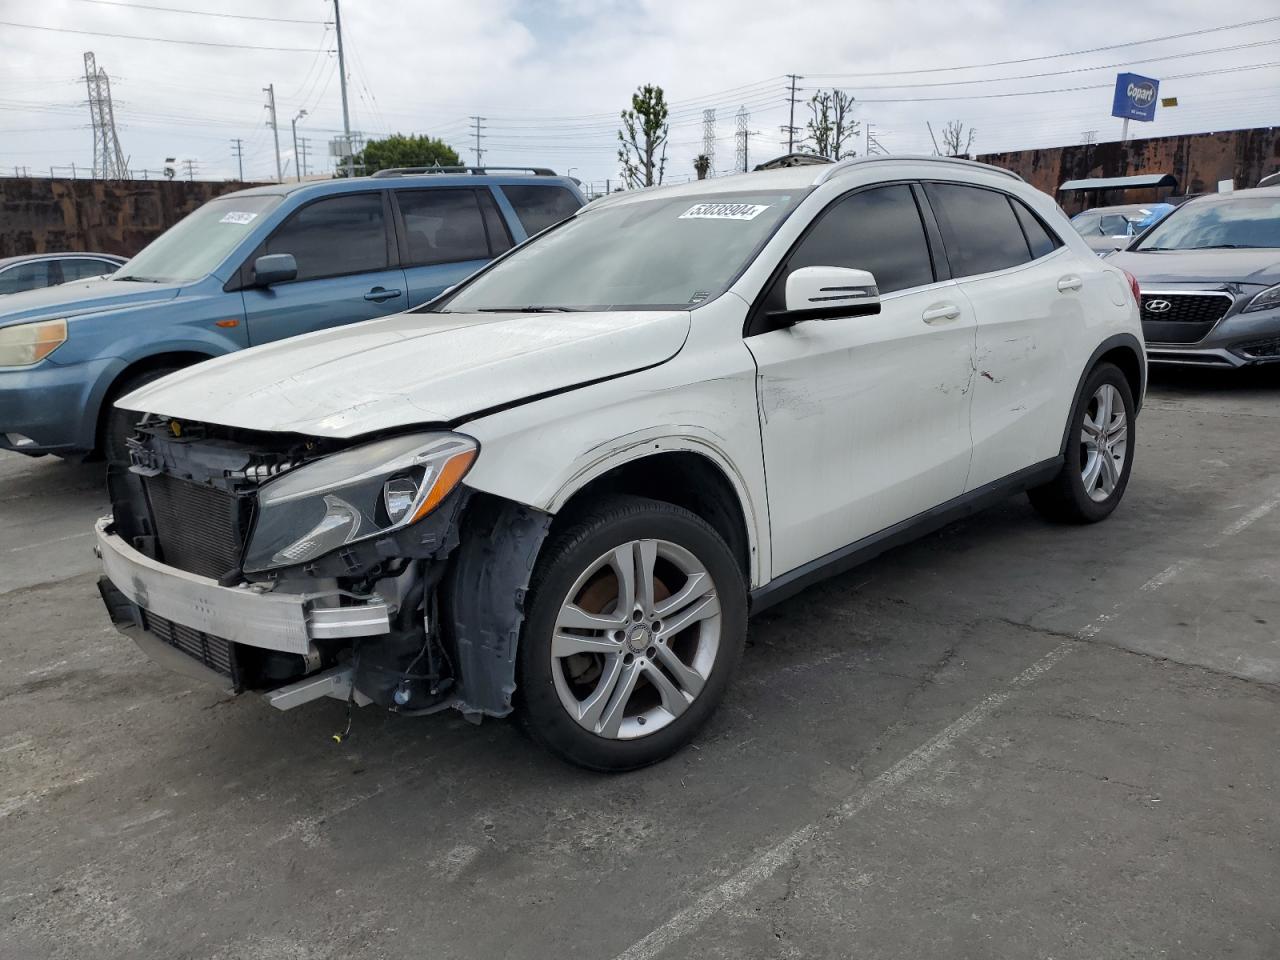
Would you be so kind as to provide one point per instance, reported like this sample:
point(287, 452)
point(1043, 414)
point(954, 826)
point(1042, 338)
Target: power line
point(134, 36)
point(198, 13)
point(1050, 56)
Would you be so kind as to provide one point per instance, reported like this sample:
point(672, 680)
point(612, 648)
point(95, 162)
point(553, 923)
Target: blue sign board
point(1135, 97)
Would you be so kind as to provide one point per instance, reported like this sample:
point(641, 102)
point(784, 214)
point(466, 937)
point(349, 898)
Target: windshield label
point(724, 211)
point(238, 216)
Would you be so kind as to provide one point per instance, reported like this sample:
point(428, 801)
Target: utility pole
point(479, 153)
point(297, 166)
point(305, 145)
point(342, 77)
point(190, 166)
point(791, 129)
point(238, 153)
point(873, 145)
point(270, 91)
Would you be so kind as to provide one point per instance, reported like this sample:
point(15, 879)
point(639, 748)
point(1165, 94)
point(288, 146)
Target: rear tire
point(613, 674)
point(1099, 454)
point(118, 425)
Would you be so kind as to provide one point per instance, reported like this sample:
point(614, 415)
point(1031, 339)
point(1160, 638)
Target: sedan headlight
point(1268, 299)
point(28, 343)
point(355, 495)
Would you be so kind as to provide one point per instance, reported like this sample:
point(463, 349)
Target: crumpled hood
point(411, 368)
point(1260, 267)
point(79, 297)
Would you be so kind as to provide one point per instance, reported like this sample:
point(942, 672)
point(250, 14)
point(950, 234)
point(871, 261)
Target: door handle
point(1069, 283)
point(942, 313)
point(378, 294)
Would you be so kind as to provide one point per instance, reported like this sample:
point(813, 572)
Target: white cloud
point(426, 65)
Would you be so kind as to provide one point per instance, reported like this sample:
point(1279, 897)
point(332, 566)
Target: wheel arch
point(141, 365)
point(1126, 352)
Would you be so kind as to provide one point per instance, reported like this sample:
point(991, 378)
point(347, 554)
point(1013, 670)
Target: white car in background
point(560, 489)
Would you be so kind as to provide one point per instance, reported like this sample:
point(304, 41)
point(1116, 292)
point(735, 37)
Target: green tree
point(643, 133)
point(399, 150)
point(702, 165)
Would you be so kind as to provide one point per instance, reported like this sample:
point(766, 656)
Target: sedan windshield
point(191, 248)
point(1239, 222)
point(668, 252)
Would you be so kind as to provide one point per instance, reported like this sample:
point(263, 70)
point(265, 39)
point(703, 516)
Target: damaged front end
point(304, 568)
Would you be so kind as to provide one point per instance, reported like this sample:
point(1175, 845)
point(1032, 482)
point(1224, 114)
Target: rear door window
point(978, 227)
point(25, 276)
point(1040, 238)
point(539, 205)
point(335, 237)
point(83, 268)
point(443, 226)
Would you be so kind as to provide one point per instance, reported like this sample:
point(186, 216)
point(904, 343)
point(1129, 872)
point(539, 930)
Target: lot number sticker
point(724, 211)
point(236, 216)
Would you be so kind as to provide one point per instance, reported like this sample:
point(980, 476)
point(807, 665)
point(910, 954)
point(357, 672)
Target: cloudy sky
point(549, 76)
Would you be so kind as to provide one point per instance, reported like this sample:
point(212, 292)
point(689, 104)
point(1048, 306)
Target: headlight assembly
point(28, 343)
point(1268, 299)
point(355, 495)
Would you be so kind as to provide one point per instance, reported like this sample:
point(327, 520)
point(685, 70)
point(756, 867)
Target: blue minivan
point(248, 268)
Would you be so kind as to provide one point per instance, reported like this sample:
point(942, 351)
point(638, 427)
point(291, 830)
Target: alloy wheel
point(1104, 443)
point(636, 639)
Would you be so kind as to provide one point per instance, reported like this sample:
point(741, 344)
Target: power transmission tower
point(238, 153)
point(189, 167)
point(476, 121)
point(740, 140)
point(108, 159)
point(874, 146)
point(1089, 137)
point(342, 78)
point(709, 138)
point(270, 91)
point(791, 129)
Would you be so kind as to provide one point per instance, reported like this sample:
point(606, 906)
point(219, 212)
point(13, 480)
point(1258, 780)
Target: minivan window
point(539, 205)
point(878, 230)
point(978, 227)
point(195, 245)
point(1039, 238)
point(442, 226)
point(334, 237)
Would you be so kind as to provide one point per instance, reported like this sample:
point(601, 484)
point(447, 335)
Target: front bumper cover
point(245, 614)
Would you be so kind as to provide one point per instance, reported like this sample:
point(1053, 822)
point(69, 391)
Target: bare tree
point(643, 134)
point(831, 124)
point(957, 141)
point(702, 165)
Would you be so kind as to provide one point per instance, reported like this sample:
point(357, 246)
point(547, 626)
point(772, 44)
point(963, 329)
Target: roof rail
point(476, 171)
point(841, 167)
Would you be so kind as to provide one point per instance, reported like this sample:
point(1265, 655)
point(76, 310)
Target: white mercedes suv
point(560, 489)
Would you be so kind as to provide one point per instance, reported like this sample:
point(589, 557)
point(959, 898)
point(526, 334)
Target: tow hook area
point(336, 682)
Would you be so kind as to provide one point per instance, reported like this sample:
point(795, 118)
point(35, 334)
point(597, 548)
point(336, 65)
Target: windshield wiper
point(1228, 246)
point(535, 309)
point(137, 279)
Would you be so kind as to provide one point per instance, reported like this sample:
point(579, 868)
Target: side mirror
point(274, 268)
point(830, 293)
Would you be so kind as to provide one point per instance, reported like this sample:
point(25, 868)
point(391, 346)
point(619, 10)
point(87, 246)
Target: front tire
point(118, 425)
point(637, 620)
point(1099, 455)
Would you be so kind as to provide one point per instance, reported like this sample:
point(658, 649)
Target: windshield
point(1240, 222)
point(191, 248)
point(668, 252)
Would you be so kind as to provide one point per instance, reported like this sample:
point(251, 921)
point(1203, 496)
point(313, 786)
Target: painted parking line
point(765, 864)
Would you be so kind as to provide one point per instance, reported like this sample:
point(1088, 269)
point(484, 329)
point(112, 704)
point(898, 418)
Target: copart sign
point(1135, 97)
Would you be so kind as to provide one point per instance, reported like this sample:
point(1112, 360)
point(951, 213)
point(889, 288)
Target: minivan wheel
point(118, 425)
point(1099, 454)
point(637, 619)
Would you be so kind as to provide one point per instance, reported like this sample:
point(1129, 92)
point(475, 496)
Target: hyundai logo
point(1158, 306)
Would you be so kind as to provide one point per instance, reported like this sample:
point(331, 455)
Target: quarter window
point(1040, 239)
point(442, 226)
point(978, 227)
point(334, 237)
point(540, 205)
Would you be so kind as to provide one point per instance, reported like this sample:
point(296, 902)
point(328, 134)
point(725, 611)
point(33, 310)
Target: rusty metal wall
point(39, 215)
point(1198, 160)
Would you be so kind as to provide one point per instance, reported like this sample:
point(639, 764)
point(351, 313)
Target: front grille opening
point(199, 529)
point(215, 653)
point(1182, 317)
